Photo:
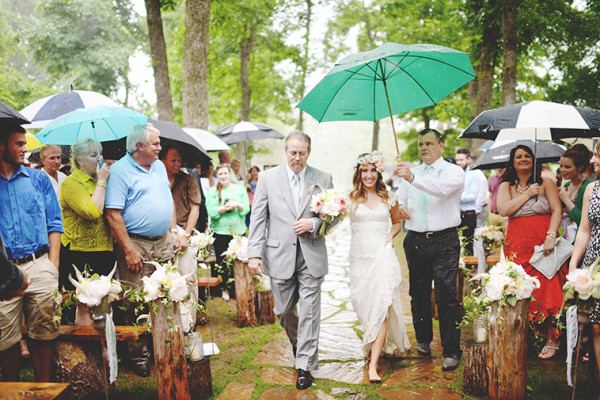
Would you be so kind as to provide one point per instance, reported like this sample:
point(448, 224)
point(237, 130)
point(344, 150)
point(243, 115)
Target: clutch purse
point(550, 264)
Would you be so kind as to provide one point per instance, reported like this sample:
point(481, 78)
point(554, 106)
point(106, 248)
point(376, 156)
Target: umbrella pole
point(391, 118)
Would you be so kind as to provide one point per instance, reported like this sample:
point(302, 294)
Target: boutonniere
point(314, 187)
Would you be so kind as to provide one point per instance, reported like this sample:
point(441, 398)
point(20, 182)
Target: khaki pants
point(40, 305)
point(161, 249)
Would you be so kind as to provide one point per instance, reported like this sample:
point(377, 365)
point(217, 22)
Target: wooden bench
point(78, 358)
point(212, 281)
point(32, 390)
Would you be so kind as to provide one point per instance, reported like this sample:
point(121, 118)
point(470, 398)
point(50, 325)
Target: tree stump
point(507, 353)
point(169, 353)
point(200, 379)
point(475, 379)
point(80, 365)
point(265, 306)
point(245, 294)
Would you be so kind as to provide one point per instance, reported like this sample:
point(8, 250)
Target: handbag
point(550, 264)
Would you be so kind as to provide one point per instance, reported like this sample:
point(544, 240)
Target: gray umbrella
point(9, 115)
point(497, 157)
point(171, 134)
point(247, 131)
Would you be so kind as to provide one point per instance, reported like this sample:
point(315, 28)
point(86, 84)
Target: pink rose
point(584, 285)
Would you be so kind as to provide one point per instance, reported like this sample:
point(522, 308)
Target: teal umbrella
point(391, 79)
point(103, 123)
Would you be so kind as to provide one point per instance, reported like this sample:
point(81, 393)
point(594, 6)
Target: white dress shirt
point(56, 182)
point(301, 174)
point(443, 186)
point(482, 199)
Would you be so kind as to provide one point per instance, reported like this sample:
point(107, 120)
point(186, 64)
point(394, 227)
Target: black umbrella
point(497, 157)
point(247, 131)
point(171, 134)
point(9, 115)
point(534, 120)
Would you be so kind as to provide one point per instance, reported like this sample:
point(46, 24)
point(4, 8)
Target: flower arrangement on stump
point(331, 205)
point(202, 242)
point(491, 236)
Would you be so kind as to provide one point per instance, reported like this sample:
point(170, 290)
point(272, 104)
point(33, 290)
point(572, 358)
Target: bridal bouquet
point(95, 291)
point(331, 205)
point(490, 236)
point(202, 242)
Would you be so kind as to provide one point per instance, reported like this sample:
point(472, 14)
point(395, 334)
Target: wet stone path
point(341, 357)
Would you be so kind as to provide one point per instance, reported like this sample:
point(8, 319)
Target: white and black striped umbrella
point(42, 111)
point(535, 120)
point(247, 131)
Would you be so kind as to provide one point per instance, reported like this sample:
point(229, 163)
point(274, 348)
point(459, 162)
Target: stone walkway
point(340, 350)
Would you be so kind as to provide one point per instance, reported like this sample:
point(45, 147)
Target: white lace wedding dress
point(375, 278)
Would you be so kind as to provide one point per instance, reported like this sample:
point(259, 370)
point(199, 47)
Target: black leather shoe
point(424, 349)
point(304, 379)
point(142, 369)
point(450, 363)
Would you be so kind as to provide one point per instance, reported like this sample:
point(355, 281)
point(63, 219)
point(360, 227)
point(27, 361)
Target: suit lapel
point(284, 185)
point(310, 180)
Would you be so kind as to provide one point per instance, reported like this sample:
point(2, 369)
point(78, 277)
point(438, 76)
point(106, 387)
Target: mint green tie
point(422, 204)
point(296, 191)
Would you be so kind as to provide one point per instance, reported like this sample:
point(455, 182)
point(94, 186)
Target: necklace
point(521, 189)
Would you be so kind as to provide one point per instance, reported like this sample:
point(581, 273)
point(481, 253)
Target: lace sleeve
point(392, 200)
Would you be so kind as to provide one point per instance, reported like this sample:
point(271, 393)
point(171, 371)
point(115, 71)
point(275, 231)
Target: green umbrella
point(391, 79)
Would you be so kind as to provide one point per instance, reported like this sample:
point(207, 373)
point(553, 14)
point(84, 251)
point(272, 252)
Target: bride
point(375, 274)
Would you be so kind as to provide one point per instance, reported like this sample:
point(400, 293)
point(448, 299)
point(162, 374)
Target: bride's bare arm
point(396, 223)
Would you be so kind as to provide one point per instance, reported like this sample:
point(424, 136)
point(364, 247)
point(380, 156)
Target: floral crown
point(374, 158)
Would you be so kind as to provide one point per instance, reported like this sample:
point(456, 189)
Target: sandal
point(547, 349)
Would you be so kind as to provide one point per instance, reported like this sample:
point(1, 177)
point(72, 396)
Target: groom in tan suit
point(284, 244)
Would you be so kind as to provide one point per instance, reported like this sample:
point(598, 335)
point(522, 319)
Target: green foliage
point(85, 42)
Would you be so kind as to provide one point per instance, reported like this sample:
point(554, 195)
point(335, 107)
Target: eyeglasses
point(223, 165)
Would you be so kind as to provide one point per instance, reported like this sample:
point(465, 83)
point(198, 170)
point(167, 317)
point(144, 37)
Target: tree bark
point(264, 307)
point(195, 64)
point(159, 61)
point(509, 39)
point(375, 140)
point(475, 380)
point(245, 51)
point(200, 379)
point(507, 353)
point(305, 57)
point(169, 353)
point(245, 294)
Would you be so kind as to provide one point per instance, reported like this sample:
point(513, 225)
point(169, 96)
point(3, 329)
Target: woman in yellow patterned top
point(86, 241)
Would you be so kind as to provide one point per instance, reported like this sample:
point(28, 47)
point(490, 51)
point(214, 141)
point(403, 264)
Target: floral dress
point(593, 248)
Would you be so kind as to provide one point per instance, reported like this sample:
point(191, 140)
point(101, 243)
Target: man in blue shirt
point(30, 224)
point(468, 200)
point(139, 210)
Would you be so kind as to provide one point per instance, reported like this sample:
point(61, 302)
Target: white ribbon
point(572, 332)
point(111, 347)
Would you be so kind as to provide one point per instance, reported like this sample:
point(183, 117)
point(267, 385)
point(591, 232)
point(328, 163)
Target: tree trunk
point(507, 353)
point(509, 39)
point(159, 61)
point(80, 365)
point(304, 63)
point(265, 307)
point(375, 140)
point(195, 64)
point(475, 379)
point(425, 118)
point(245, 51)
point(245, 294)
point(200, 379)
point(169, 353)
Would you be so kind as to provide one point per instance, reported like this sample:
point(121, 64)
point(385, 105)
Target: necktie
point(296, 191)
point(422, 205)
